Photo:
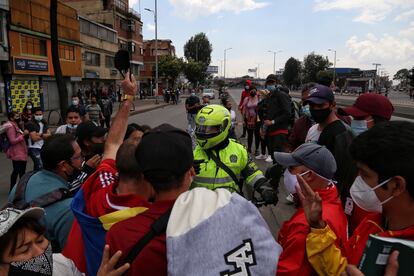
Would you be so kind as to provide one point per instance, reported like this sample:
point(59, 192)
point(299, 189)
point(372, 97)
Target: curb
point(135, 112)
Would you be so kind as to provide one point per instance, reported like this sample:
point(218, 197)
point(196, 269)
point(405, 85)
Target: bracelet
point(127, 97)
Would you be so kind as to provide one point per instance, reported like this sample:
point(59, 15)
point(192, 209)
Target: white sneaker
point(290, 199)
point(260, 157)
point(269, 159)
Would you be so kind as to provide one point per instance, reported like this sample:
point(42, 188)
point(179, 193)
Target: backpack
point(4, 140)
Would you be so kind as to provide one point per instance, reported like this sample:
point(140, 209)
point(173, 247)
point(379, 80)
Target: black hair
point(72, 109)
point(224, 100)
point(379, 120)
point(163, 181)
point(388, 150)
point(126, 163)
point(146, 128)
point(57, 148)
point(36, 109)
point(11, 237)
point(11, 115)
point(131, 128)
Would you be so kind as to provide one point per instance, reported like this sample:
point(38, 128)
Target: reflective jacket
point(234, 156)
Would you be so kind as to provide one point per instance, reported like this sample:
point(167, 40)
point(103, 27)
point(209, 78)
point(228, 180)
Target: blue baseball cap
point(320, 94)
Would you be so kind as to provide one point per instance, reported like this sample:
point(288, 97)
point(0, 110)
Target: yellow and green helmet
point(213, 123)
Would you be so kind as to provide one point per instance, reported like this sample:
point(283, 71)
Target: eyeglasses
point(80, 157)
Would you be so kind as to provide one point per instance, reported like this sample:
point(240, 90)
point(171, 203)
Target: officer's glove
point(266, 191)
point(196, 165)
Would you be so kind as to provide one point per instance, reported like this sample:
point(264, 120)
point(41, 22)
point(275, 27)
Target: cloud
point(393, 52)
point(151, 27)
point(369, 11)
point(409, 32)
point(192, 9)
point(132, 3)
point(405, 15)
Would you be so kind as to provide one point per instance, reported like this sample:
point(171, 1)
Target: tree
point(170, 67)
point(324, 77)
point(401, 74)
point(411, 77)
point(292, 72)
point(198, 48)
point(312, 64)
point(63, 92)
point(195, 71)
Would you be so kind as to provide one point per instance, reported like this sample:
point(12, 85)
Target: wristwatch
point(127, 97)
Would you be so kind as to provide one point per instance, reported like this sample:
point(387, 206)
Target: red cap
point(249, 82)
point(369, 104)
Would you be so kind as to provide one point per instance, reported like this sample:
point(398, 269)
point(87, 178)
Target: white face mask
point(291, 181)
point(75, 102)
point(72, 126)
point(365, 197)
point(38, 117)
point(246, 87)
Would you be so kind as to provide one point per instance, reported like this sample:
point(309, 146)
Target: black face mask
point(252, 94)
point(17, 120)
point(97, 148)
point(320, 115)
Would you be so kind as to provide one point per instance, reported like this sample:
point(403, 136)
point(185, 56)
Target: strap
point(20, 193)
point(223, 166)
point(159, 226)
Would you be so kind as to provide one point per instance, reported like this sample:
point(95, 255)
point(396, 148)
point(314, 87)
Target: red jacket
point(244, 95)
point(372, 224)
point(292, 235)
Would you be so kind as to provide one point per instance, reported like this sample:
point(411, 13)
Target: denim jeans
point(37, 161)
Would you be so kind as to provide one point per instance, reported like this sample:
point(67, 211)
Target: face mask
point(320, 115)
point(72, 126)
point(291, 181)
point(75, 173)
point(38, 118)
point(39, 265)
point(246, 87)
point(98, 148)
point(75, 102)
point(29, 107)
point(359, 126)
point(17, 120)
point(252, 94)
point(306, 111)
point(365, 197)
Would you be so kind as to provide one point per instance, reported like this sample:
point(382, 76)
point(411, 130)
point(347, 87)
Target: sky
point(362, 32)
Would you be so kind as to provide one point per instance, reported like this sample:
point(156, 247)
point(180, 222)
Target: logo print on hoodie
point(241, 257)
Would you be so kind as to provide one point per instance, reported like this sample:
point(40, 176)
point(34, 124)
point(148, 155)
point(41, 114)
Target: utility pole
point(156, 49)
point(274, 59)
point(376, 70)
point(334, 72)
point(225, 52)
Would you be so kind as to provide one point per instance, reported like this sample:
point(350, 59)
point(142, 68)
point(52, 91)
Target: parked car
point(209, 92)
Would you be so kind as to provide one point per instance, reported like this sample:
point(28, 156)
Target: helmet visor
point(206, 132)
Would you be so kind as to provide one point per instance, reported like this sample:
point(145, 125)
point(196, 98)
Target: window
point(131, 47)
point(124, 24)
point(66, 52)
point(33, 46)
point(123, 45)
point(84, 26)
point(93, 30)
point(109, 61)
point(92, 59)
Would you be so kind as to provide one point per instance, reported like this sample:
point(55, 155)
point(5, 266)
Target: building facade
point(4, 50)
point(30, 74)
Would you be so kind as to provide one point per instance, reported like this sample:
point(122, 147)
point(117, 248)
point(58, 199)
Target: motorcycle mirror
point(122, 61)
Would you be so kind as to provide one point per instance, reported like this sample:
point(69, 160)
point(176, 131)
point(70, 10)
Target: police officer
point(221, 161)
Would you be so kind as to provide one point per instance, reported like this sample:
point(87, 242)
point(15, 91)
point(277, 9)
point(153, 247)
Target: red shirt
point(101, 199)
point(244, 95)
point(372, 224)
point(292, 235)
point(152, 260)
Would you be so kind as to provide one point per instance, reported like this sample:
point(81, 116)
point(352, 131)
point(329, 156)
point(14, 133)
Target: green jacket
point(233, 156)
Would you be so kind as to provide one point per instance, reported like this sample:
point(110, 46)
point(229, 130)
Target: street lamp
point(334, 74)
point(274, 59)
point(156, 49)
point(225, 52)
point(258, 70)
point(376, 73)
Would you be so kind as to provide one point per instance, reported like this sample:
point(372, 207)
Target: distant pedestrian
point(227, 104)
point(244, 94)
point(38, 133)
point(249, 110)
point(73, 119)
point(192, 105)
point(106, 106)
point(77, 103)
point(27, 113)
point(17, 151)
point(94, 111)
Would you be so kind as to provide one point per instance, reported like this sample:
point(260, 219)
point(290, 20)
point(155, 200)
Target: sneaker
point(260, 157)
point(290, 199)
point(269, 159)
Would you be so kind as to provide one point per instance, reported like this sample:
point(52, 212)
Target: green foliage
point(401, 74)
point(170, 67)
point(195, 71)
point(324, 77)
point(198, 48)
point(312, 64)
point(411, 77)
point(291, 74)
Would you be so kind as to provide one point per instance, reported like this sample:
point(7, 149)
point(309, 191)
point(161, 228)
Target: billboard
point(212, 69)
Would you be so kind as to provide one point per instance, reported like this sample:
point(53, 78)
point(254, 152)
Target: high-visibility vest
point(235, 157)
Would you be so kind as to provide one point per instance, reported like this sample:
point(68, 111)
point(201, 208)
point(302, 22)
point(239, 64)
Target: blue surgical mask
point(359, 126)
point(306, 111)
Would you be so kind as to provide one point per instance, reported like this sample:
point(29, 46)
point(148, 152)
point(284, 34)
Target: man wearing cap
point(157, 156)
point(317, 165)
point(368, 110)
point(335, 135)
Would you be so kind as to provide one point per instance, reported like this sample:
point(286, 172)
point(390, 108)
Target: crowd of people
point(135, 200)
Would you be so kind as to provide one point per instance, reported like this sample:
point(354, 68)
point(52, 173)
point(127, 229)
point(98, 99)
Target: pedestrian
point(260, 135)
point(227, 104)
point(77, 103)
point(38, 132)
point(156, 156)
point(27, 113)
point(115, 191)
point(249, 111)
point(17, 151)
point(192, 105)
point(73, 119)
point(205, 101)
point(220, 160)
point(61, 157)
point(94, 111)
point(91, 139)
point(106, 108)
point(317, 166)
point(383, 187)
point(134, 131)
point(244, 94)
